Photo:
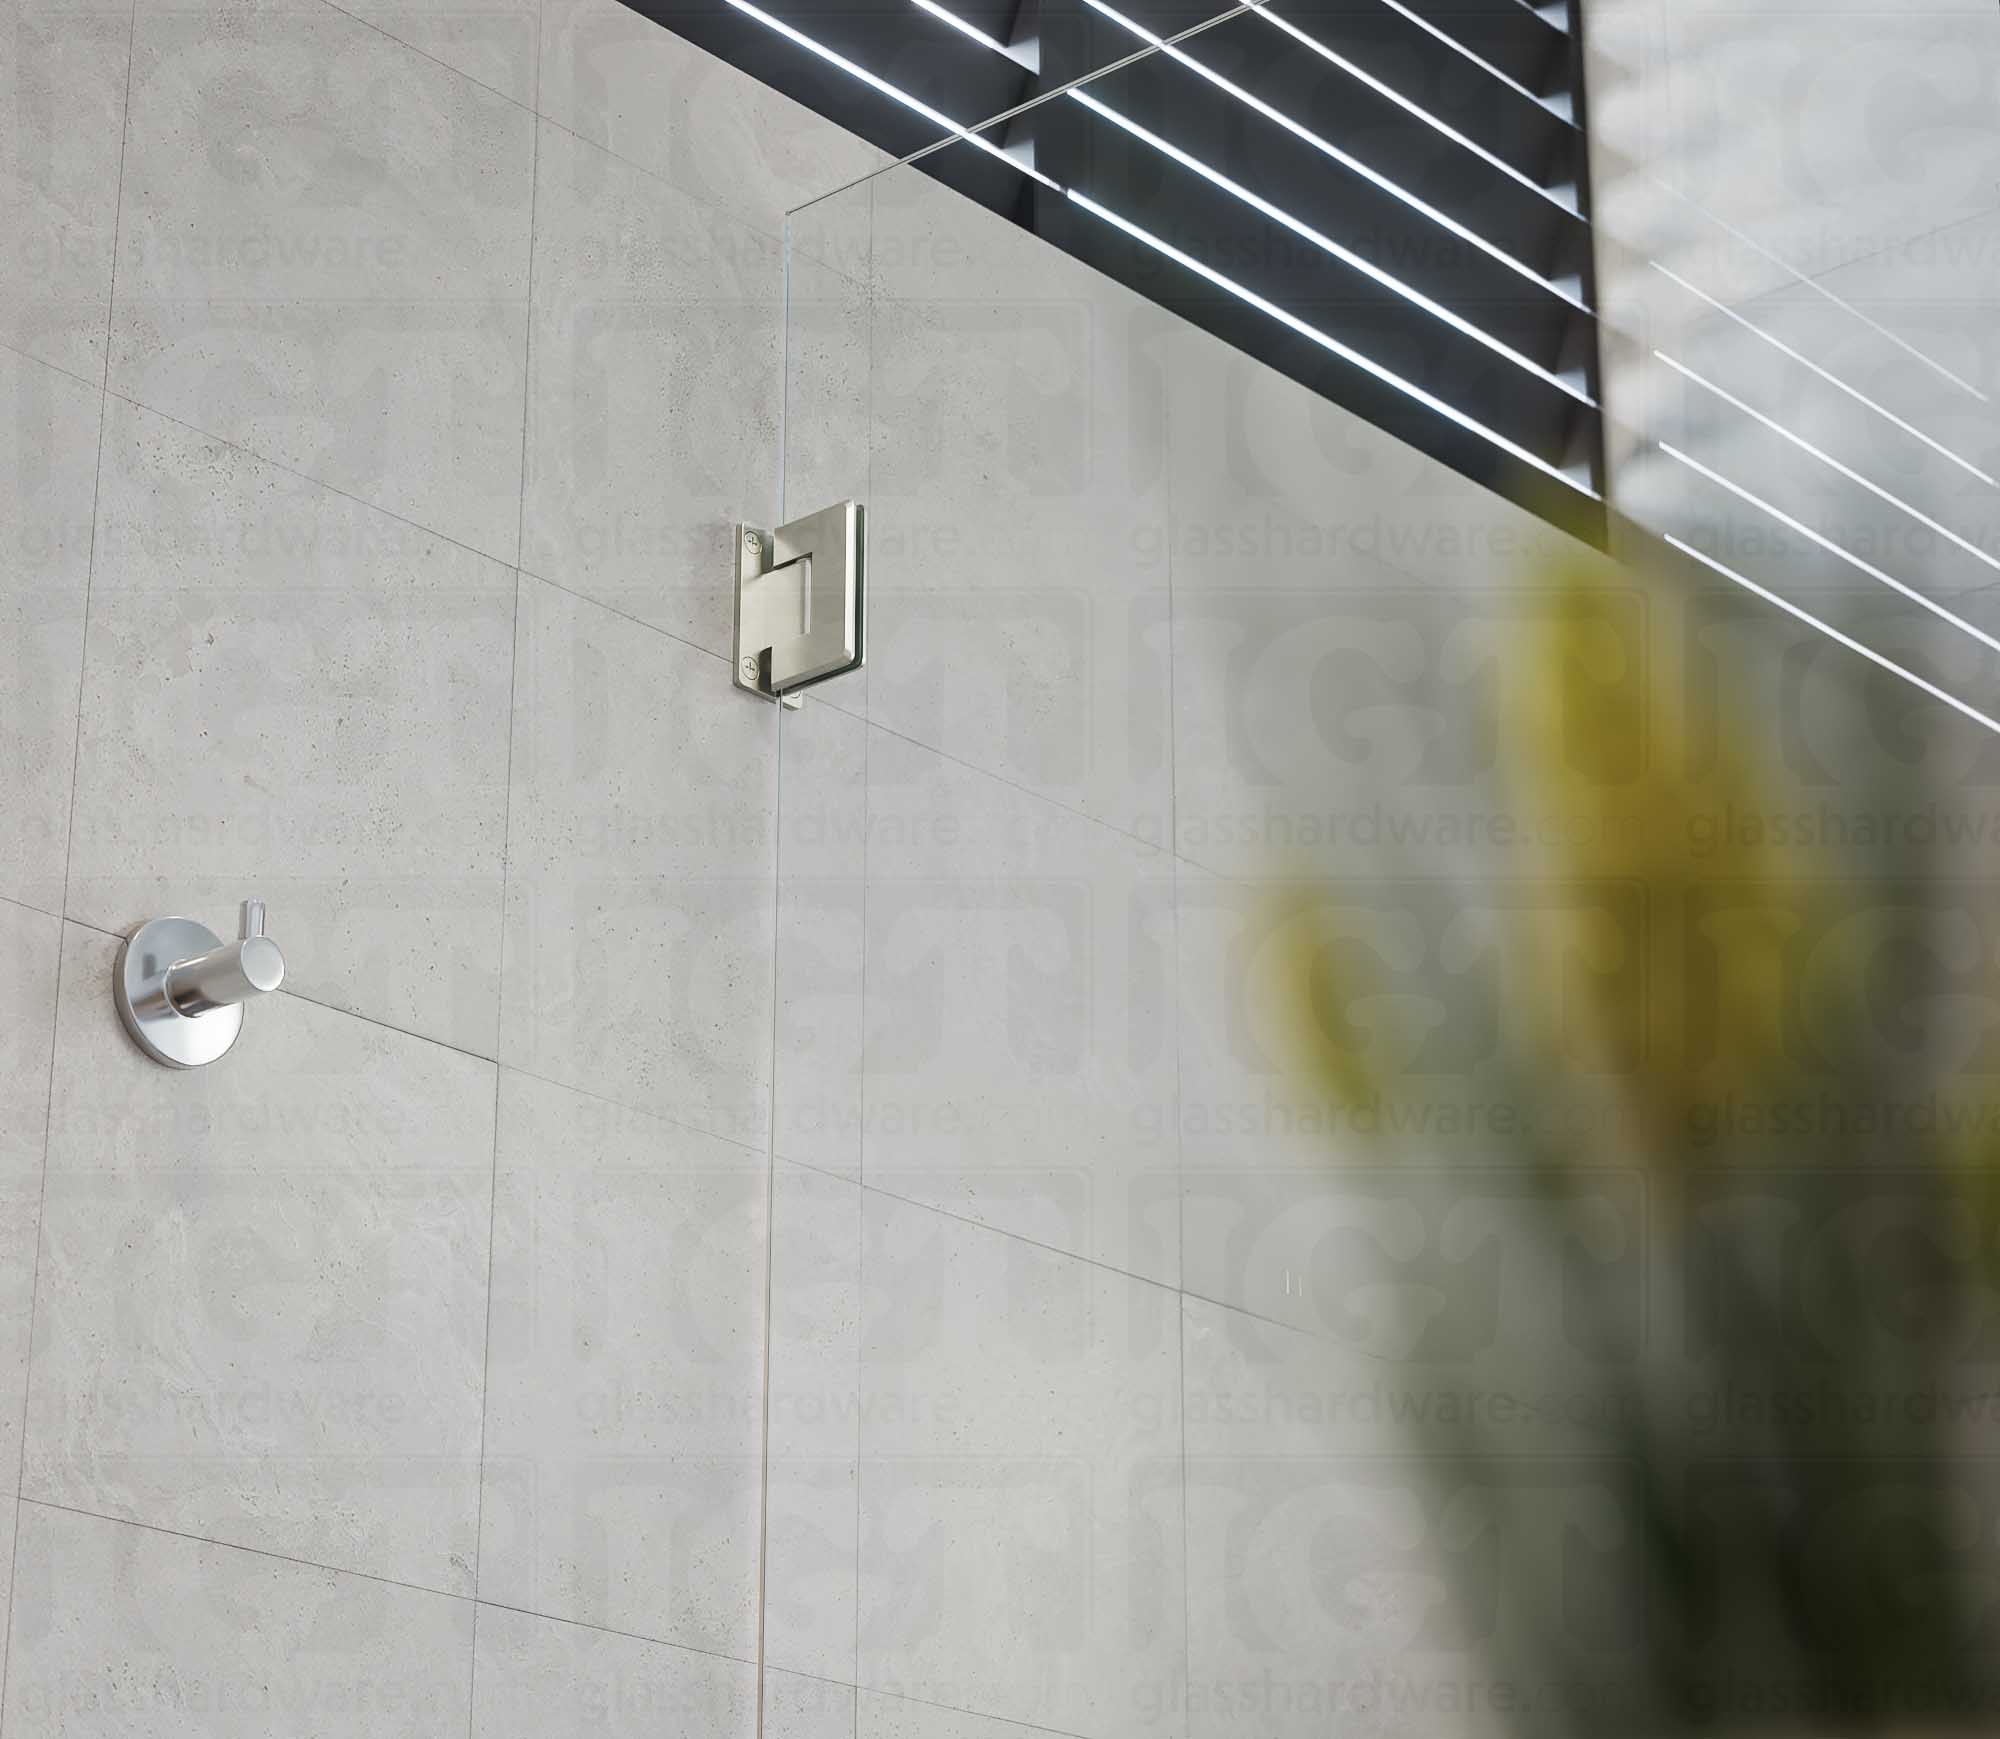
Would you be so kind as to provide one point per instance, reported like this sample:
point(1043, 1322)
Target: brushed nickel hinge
point(801, 609)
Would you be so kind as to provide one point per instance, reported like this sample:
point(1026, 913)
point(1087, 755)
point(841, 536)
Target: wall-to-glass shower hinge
point(800, 605)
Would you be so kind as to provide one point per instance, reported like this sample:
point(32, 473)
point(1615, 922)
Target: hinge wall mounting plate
point(801, 609)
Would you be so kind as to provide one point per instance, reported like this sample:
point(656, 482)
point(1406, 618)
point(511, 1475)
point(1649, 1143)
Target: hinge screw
point(752, 542)
point(749, 668)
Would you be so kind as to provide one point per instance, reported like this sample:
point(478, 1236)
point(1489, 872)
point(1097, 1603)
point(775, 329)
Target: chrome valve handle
point(180, 988)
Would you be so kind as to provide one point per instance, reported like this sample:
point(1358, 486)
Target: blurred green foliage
point(1806, 1544)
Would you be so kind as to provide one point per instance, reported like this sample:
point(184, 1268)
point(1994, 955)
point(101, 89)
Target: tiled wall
point(376, 391)
point(379, 388)
point(1080, 1365)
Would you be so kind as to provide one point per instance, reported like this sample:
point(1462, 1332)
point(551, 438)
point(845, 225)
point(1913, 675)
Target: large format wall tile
point(261, 1310)
point(882, 1717)
point(1355, 629)
point(1272, 485)
point(655, 383)
point(814, 1432)
point(1305, 1538)
point(822, 868)
point(493, 41)
point(1317, 1200)
point(48, 482)
point(120, 1630)
point(624, 1386)
point(292, 695)
point(537, 1678)
point(800, 1708)
point(323, 254)
point(1352, 1567)
point(1020, 1550)
point(1021, 1050)
point(829, 319)
point(612, 75)
point(1018, 572)
point(639, 870)
point(62, 89)
point(31, 942)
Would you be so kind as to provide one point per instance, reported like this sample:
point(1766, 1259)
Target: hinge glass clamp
point(800, 602)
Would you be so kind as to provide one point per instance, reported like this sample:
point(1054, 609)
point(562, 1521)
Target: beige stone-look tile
point(261, 1310)
point(62, 87)
point(640, 897)
point(291, 695)
point(822, 863)
point(1017, 562)
point(120, 1630)
point(625, 1378)
point(323, 255)
point(537, 1678)
point(654, 98)
point(1021, 1047)
point(1020, 1550)
point(493, 41)
point(48, 484)
point(655, 391)
point(815, 1373)
point(32, 942)
point(803, 1708)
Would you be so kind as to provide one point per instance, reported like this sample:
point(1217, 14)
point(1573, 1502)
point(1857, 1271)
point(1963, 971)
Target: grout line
point(493, 1181)
point(28, 1364)
point(486, 1057)
point(425, 54)
point(1170, 510)
point(637, 621)
point(928, 1703)
point(534, 109)
point(30, 906)
point(491, 1061)
point(1181, 1290)
point(97, 483)
point(254, 1551)
point(118, 194)
point(53, 367)
point(770, 1222)
point(890, 1195)
point(384, 1581)
point(627, 616)
point(1027, 791)
point(506, 847)
point(861, 1134)
point(472, 1666)
point(628, 1635)
point(291, 470)
point(527, 355)
point(69, 845)
point(1181, 1407)
point(771, 1055)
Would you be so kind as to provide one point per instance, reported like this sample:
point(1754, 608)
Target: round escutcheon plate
point(138, 986)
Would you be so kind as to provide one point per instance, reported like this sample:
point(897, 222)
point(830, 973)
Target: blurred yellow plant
point(1599, 747)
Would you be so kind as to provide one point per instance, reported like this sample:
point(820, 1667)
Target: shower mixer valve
point(180, 989)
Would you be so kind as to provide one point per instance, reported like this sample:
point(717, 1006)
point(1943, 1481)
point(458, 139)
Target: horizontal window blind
point(1386, 199)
